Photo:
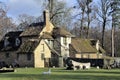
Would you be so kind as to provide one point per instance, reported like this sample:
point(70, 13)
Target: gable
point(42, 48)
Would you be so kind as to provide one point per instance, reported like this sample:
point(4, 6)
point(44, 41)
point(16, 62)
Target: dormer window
point(64, 40)
point(6, 42)
point(17, 42)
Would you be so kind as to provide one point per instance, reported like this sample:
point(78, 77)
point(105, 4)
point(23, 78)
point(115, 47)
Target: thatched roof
point(46, 36)
point(28, 46)
point(101, 50)
point(82, 45)
point(13, 34)
point(32, 31)
point(61, 32)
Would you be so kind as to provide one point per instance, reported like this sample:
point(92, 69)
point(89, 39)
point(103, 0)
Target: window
point(7, 55)
point(43, 49)
point(42, 56)
point(64, 40)
point(29, 56)
point(17, 42)
point(49, 42)
point(6, 42)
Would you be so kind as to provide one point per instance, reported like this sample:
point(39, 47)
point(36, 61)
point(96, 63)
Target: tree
point(25, 20)
point(82, 4)
point(6, 24)
point(115, 13)
point(86, 13)
point(60, 15)
point(103, 14)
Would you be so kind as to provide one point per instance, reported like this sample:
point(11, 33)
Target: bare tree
point(60, 14)
point(103, 14)
point(115, 13)
point(25, 20)
point(5, 22)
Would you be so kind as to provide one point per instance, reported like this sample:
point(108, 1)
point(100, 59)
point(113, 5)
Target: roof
point(47, 36)
point(37, 24)
point(13, 34)
point(8, 48)
point(93, 42)
point(82, 45)
point(28, 46)
point(61, 32)
point(32, 31)
point(101, 50)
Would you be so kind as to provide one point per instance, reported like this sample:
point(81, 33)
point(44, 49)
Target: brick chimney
point(46, 17)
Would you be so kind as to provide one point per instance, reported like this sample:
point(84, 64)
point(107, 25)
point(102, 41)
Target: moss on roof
point(32, 31)
point(47, 36)
point(28, 46)
point(82, 45)
point(61, 32)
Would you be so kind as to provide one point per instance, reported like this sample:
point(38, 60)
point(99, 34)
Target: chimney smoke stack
point(46, 17)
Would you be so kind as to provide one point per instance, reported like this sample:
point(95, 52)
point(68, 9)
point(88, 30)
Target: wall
point(89, 55)
point(65, 47)
point(10, 59)
point(39, 52)
point(23, 62)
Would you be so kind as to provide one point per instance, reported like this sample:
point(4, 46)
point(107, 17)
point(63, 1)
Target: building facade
point(44, 45)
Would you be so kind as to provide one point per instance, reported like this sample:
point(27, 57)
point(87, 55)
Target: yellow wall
point(92, 56)
point(38, 61)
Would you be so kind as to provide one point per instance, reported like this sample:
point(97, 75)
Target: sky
point(30, 7)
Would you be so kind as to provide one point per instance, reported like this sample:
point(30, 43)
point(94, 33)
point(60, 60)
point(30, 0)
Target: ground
point(61, 74)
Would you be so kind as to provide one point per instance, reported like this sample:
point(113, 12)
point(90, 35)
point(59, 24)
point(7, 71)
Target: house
point(87, 49)
point(44, 45)
point(34, 48)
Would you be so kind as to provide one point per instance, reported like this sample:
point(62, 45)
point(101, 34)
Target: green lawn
point(61, 74)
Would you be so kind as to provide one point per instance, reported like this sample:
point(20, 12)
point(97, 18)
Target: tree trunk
point(88, 27)
point(103, 33)
point(113, 45)
point(81, 26)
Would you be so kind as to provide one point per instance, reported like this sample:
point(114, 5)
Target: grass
point(61, 74)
